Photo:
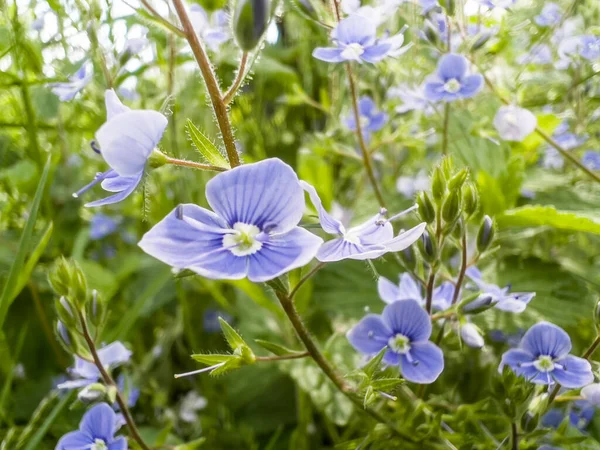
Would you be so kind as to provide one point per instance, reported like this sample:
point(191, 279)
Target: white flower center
point(352, 238)
point(544, 364)
point(511, 119)
point(242, 241)
point(353, 51)
point(399, 343)
point(98, 444)
point(452, 86)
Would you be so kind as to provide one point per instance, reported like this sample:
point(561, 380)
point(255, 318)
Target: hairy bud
point(485, 235)
point(470, 199)
point(457, 181)
point(438, 184)
point(451, 207)
point(426, 209)
point(427, 248)
point(250, 21)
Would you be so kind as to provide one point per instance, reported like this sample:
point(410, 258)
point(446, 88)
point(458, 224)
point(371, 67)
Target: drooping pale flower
point(214, 29)
point(253, 231)
point(96, 432)
point(126, 140)
point(503, 299)
point(452, 80)
point(68, 90)
point(591, 160)
point(591, 393)
point(514, 123)
point(85, 373)
point(355, 39)
point(549, 16)
point(408, 288)
point(101, 226)
point(371, 119)
point(543, 358)
point(370, 240)
point(404, 328)
point(471, 336)
point(412, 97)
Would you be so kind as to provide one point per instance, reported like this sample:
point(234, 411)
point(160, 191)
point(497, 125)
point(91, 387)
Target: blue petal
point(76, 384)
point(114, 354)
point(471, 85)
point(118, 444)
point(374, 231)
point(546, 339)
point(282, 253)
point(355, 29)
point(434, 89)
point(264, 194)
point(99, 422)
point(75, 440)
point(515, 303)
point(408, 288)
point(553, 418)
point(114, 106)
point(514, 358)
point(452, 66)
point(406, 317)
point(577, 372)
point(387, 290)
point(329, 54)
point(120, 182)
point(442, 296)
point(366, 106)
point(329, 224)
point(370, 335)
point(339, 249)
point(376, 53)
point(378, 121)
point(425, 364)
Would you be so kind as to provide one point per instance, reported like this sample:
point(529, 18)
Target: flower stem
point(515, 436)
point(305, 278)
point(463, 269)
point(194, 165)
point(174, 28)
point(212, 85)
point(239, 78)
point(283, 357)
point(110, 382)
point(446, 125)
point(429, 290)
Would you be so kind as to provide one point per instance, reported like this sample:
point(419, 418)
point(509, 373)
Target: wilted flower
point(543, 358)
point(253, 232)
point(549, 16)
point(371, 119)
point(68, 90)
point(101, 226)
point(451, 80)
point(213, 29)
point(404, 328)
point(514, 123)
point(502, 297)
point(408, 288)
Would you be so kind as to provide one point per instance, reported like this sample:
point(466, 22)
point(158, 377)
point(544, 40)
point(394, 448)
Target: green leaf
point(537, 216)
point(191, 445)
point(371, 367)
point(33, 260)
point(206, 148)
point(36, 439)
point(383, 384)
point(276, 349)
point(233, 338)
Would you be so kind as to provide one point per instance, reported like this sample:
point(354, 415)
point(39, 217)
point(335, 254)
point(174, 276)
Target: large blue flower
point(404, 328)
point(371, 119)
point(452, 80)
point(543, 358)
point(252, 232)
point(502, 297)
point(96, 432)
point(408, 288)
point(126, 141)
point(68, 90)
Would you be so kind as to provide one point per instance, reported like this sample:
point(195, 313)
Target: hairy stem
point(194, 165)
point(305, 278)
point(463, 269)
point(239, 78)
point(283, 357)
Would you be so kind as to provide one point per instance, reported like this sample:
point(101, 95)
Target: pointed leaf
point(276, 349)
point(383, 384)
point(206, 148)
point(233, 338)
point(211, 360)
point(371, 367)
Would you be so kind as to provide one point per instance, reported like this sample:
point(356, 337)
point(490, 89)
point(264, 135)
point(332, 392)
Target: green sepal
point(231, 336)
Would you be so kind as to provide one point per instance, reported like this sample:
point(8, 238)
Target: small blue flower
point(101, 226)
point(126, 140)
point(503, 4)
point(404, 328)
point(253, 232)
point(590, 47)
point(408, 288)
point(549, 16)
point(581, 414)
point(591, 160)
point(68, 90)
point(210, 320)
point(371, 119)
point(503, 299)
point(134, 46)
point(567, 140)
point(96, 432)
point(514, 123)
point(543, 358)
point(213, 29)
point(356, 40)
point(451, 81)
point(553, 418)
point(428, 5)
point(370, 240)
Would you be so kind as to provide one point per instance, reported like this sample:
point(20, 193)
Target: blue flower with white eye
point(549, 16)
point(502, 298)
point(356, 40)
point(68, 90)
point(408, 288)
point(514, 123)
point(253, 231)
point(591, 160)
point(101, 226)
point(543, 358)
point(126, 140)
point(86, 373)
point(96, 432)
point(452, 80)
point(213, 28)
point(371, 119)
point(404, 328)
point(369, 240)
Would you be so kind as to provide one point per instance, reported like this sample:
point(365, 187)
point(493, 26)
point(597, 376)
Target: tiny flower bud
point(479, 304)
point(426, 209)
point(428, 248)
point(470, 199)
point(64, 310)
point(438, 184)
point(457, 181)
point(65, 337)
point(60, 277)
point(485, 235)
point(451, 207)
point(79, 285)
point(157, 159)
point(91, 393)
point(470, 336)
point(95, 309)
point(459, 229)
point(250, 21)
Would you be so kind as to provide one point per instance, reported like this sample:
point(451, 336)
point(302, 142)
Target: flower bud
point(157, 159)
point(64, 310)
point(438, 184)
point(451, 207)
point(65, 337)
point(426, 209)
point(95, 309)
point(470, 199)
point(459, 229)
point(470, 336)
point(409, 258)
point(485, 235)
point(250, 21)
point(91, 393)
point(79, 285)
point(427, 248)
point(479, 304)
point(457, 181)
point(60, 277)
point(306, 8)
point(529, 422)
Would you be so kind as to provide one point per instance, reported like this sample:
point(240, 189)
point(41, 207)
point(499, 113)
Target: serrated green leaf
point(229, 365)
point(371, 367)
point(206, 148)
point(233, 338)
point(383, 384)
point(213, 358)
point(276, 349)
point(536, 216)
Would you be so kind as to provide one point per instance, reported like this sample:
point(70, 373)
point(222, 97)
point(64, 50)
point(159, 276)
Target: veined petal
point(376, 53)
point(329, 223)
point(471, 85)
point(452, 66)
point(114, 354)
point(340, 248)
point(576, 372)
point(74, 440)
point(405, 239)
point(355, 29)
point(387, 290)
point(423, 364)
point(369, 335)
point(118, 444)
point(408, 288)
point(406, 317)
point(128, 183)
point(514, 358)
point(114, 106)
point(545, 338)
point(329, 54)
point(99, 422)
point(375, 231)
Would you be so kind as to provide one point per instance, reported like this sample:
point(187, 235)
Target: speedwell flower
point(371, 119)
point(96, 432)
point(543, 358)
point(404, 328)
point(68, 90)
point(451, 80)
point(502, 297)
point(408, 288)
point(213, 29)
point(514, 123)
point(369, 240)
point(549, 16)
point(253, 231)
point(126, 140)
point(101, 226)
point(591, 160)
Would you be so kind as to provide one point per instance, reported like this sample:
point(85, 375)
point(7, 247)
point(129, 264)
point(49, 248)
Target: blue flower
point(539, 54)
point(502, 297)
point(549, 16)
point(567, 140)
point(404, 328)
point(68, 90)
point(553, 418)
point(213, 29)
point(543, 358)
point(581, 414)
point(514, 123)
point(134, 46)
point(96, 432)
point(356, 40)
point(591, 160)
point(591, 393)
point(253, 231)
point(572, 48)
point(101, 226)
point(428, 5)
point(504, 4)
point(590, 47)
point(210, 320)
point(126, 140)
point(451, 81)
point(370, 240)
point(408, 288)
point(371, 119)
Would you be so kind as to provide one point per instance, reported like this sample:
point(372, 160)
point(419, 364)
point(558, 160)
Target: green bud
point(60, 277)
point(250, 21)
point(438, 184)
point(481, 41)
point(597, 316)
point(370, 396)
point(91, 393)
point(96, 309)
point(425, 207)
point(450, 7)
point(79, 288)
point(451, 207)
point(427, 248)
point(157, 159)
point(65, 337)
point(485, 235)
point(470, 199)
point(459, 229)
point(457, 181)
point(247, 355)
point(529, 422)
point(65, 311)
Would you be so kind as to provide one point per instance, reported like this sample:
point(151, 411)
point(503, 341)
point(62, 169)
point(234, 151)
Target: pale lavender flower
point(452, 80)
point(68, 90)
point(503, 4)
point(371, 119)
point(502, 298)
point(409, 186)
point(412, 97)
point(101, 226)
point(514, 123)
point(591, 160)
point(539, 54)
point(549, 16)
point(213, 28)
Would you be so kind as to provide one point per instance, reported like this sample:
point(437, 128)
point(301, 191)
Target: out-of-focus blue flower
point(253, 232)
point(591, 393)
point(356, 40)
point(408, 186)
point(68, 90)
point(96, 432)
point(514, 123)
point(133, 393)
point(503, 4)
point(510, 339)
point(128, 94)
point(39, 23)
point(134, 46)
point(553, 418)
point(539, 54)
point(86, 373)
point(378, 13)
point(567, 140)
point(428, 5)
point(549, 16)
point(502, 297)
point(404, 327)
point(573, 48)
point(126, 140)
point(451, 80)
point(210, 320)
point(412, 97)
point(101, 226)
point(371, 119)
point(591, 160)
point(214, 29)
point(408, 288)
point(581, 414)
point(543, 358)
point(370, 240)
point(590, 47)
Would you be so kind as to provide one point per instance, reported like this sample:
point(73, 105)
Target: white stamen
point(388, 396)
point(400, 344)
point(353, 51)
point(452, 86)
point(195, 372)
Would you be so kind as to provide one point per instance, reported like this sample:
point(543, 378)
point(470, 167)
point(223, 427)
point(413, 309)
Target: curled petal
point(339, 249)
point(329, 223)
point(329, 54)
point(114, 106)
point(405, 239)
point(126, 184)
point(388, 291)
